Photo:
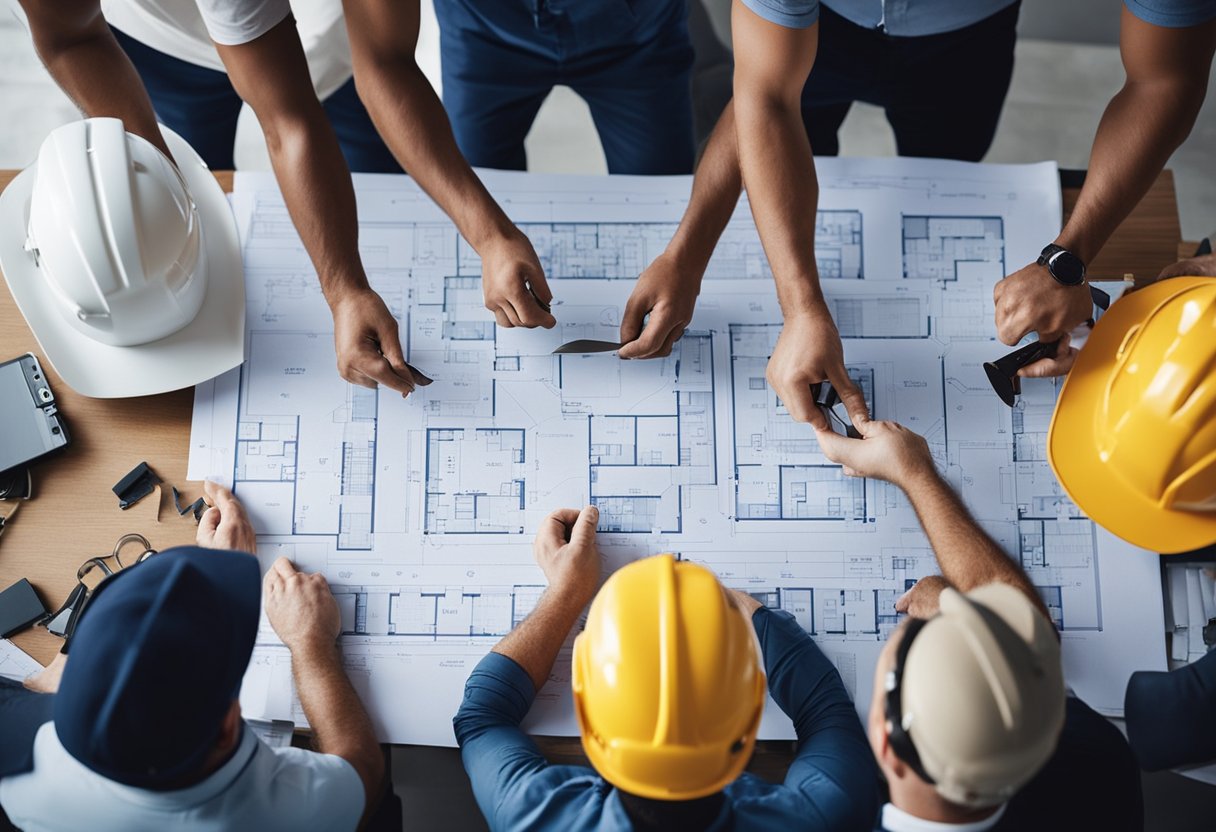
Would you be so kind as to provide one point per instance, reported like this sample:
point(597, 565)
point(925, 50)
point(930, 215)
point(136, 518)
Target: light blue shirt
point(915, 18)
point(259, 788)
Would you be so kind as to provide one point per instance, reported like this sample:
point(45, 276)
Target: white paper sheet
point(421, 512)
point(15, 663)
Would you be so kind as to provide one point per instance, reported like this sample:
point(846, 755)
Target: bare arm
point(271, 74)
point(667, 290)
point(567, 554)
point(771, 66)
point(1167, 75)
point(535, 643)
point(80, 52)
point(305, 615)
point(967, 556)
point(410, 117)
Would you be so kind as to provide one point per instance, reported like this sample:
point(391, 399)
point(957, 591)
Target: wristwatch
point(1065, 267)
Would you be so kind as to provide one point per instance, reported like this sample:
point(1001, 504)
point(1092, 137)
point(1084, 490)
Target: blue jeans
point(630, 61)
point(201, 106)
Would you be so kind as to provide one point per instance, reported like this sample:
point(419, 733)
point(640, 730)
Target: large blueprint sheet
point(421, 512)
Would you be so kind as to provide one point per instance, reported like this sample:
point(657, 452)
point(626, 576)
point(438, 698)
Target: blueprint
point(15, 663)
point(421, 511)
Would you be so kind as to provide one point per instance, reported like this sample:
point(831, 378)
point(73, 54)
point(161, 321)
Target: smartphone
point(31, 426)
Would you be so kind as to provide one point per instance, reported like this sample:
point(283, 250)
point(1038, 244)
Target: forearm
point(340, 724)
point(967, 556)
point(410, 117)
point(81, 54)
point(320, 197)
point(1142, 126)
point(535, 643)
point(715, 193)
point(1167, 75)
point(779, 174)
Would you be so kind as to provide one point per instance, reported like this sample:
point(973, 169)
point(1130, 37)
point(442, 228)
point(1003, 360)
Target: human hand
point(368, 344)
point(1065, 357)
point(508, 268)
point(923, 600)
point(225, 525)
point(887, 451)
point(668, 294)
point(1031, 300)
point(47, 680)
point(300, 607)
point(566, 552)
point(1202, 266)
point(809, 351)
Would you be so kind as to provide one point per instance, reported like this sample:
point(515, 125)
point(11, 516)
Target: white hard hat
point(126, 267)
point(981, 695)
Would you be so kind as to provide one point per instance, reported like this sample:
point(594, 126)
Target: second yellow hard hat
point(668, 681)
point(1133, 437)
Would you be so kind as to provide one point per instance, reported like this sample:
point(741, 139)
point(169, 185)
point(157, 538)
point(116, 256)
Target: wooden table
point(74, 514)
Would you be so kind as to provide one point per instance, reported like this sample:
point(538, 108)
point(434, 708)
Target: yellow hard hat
point(668, 682)
point(1133, 438)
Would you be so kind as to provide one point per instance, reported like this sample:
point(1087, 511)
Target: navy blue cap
point(157, 658)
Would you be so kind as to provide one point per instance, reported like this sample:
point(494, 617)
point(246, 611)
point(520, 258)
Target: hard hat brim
point(211, 344)
point(1101, 493)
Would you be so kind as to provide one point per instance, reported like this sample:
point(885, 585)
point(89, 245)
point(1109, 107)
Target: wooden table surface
point(74, 514)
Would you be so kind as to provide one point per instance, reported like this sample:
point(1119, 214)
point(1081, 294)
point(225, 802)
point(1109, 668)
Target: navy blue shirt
point(913, 18)
point(832, 783)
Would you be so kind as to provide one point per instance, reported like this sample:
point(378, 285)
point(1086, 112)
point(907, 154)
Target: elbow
point(468, 723)
point(289, 135)
point(56, 34)
point(385, 69)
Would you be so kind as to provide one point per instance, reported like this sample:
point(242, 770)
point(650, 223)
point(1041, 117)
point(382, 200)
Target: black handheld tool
point(826, 398)
point(586, 346)
point(1003, 373)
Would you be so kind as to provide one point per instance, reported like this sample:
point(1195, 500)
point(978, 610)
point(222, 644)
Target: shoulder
point(1173, 14)
point(322, 791)
point(1091, 781)
point(558, 797)
point(792, 14)
point(819, 802)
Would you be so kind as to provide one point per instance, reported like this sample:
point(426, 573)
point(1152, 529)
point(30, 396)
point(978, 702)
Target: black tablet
point(31, 427)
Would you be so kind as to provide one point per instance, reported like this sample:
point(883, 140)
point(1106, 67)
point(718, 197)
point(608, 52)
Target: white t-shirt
point(260, 788)
point(185, 29)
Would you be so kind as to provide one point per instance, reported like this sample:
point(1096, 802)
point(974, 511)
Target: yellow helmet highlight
point(668, 681)
point(1133, 437)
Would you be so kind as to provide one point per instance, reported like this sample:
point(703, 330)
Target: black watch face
point(1067, 268)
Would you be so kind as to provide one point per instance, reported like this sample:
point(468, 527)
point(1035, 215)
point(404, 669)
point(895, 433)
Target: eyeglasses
point(826, 399)
point(897, 732)
point(63, 621)
point(1003, 373)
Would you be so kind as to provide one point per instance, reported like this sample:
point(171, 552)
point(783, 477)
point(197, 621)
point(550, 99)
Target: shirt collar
point(895, 819)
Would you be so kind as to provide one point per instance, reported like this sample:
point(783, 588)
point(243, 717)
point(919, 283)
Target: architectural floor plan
point(421, 512)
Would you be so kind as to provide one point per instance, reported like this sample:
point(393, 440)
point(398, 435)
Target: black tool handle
point(1019, 358)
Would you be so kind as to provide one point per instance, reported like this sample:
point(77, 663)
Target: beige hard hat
point(982, 694)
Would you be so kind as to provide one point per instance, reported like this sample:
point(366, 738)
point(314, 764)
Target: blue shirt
point(915, 18)
point(832, 783)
